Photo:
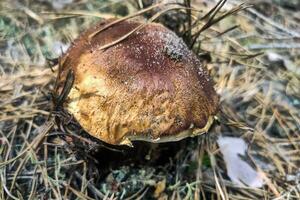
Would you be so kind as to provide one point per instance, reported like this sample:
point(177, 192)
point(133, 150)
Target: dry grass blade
point(276, 25)
point(154, 17)
point(33, 15)
point(228, 30)
point(66, 89)
point(126, 18)
point(77, 193)
point(212, 20)
point(66, 14)
point(211, 12)
point(44, 130)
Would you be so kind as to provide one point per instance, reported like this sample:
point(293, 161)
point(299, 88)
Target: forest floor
point(253, 55)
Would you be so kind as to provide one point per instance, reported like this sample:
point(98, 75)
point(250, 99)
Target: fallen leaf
point(159, 188)
point(239, 171)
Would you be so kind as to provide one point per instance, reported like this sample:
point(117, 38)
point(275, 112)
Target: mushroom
point(147, 87)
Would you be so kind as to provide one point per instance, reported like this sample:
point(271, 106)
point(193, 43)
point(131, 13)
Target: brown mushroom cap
point(149, 86)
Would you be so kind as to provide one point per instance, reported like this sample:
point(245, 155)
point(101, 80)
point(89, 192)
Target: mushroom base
point(107, 157)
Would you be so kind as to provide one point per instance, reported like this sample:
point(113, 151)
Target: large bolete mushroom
point(147, 87)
